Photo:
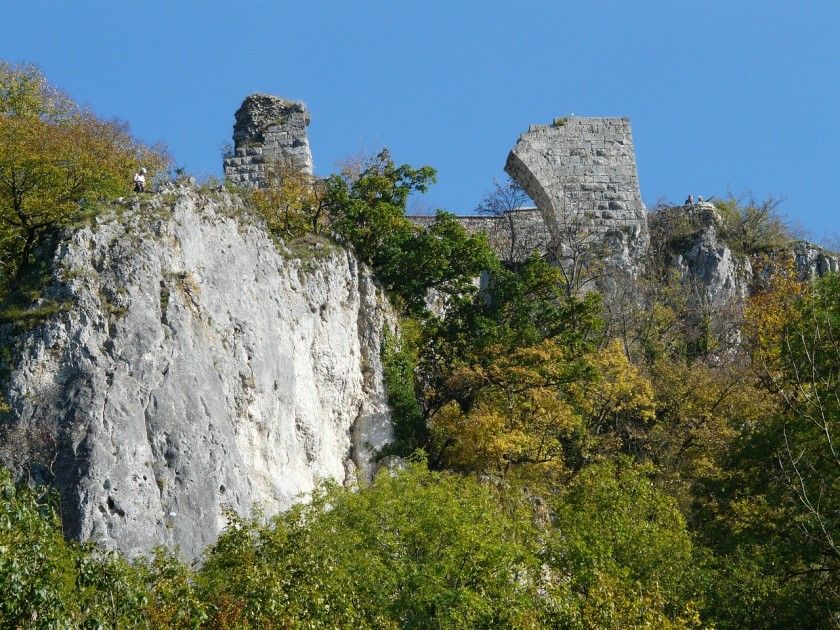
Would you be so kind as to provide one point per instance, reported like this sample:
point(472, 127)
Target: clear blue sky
point(740, 96)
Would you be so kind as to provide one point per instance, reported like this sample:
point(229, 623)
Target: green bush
point(417, 549)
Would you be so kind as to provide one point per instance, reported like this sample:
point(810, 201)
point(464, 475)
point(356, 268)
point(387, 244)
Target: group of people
point(690, 200)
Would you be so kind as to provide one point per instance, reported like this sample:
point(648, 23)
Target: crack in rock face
point(211, 383)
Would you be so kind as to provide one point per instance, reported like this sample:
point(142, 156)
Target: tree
point(501, 203)
point(367, 212)
point(619, 405)
point(753, 226)
point(517, 308)
point(56, 160)
point(798, 353)
point(50, 582)
point(770, 519)
point(620, 549)
point(442, 258)
point(416, 549)
point(544, 411)
point(291, 202)
point(520, 415)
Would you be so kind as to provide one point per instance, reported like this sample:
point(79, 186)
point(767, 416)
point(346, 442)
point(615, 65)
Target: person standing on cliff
point(689, 201)
point(140, 180)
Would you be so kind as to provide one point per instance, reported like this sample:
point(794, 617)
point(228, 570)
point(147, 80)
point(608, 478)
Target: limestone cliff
point(197, 365)
point(694, 242)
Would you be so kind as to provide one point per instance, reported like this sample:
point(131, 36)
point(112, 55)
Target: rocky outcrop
point(269, 135)
point(717, 275)
point(197, 365)
point(694, 238)
point(811, 261)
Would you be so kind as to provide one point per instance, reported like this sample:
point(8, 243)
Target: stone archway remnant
point(582, 171)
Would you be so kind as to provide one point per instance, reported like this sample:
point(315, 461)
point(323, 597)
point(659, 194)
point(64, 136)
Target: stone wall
point(580, 167)
point(514, 237)
point(269, 132)
point(581, 173)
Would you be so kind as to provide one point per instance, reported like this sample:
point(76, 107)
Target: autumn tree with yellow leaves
point(56, 161)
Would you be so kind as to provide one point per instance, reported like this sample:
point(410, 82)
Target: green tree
point(367, 212)
point(414, 550)
point(621, 550)
point(795, 455)
point(48, 582)
point(517, 308)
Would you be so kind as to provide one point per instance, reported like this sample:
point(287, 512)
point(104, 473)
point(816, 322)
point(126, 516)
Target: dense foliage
point(566, 463)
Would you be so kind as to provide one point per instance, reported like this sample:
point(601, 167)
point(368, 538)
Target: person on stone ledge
point(689, 201)
point(699, 198)
point(140, 180)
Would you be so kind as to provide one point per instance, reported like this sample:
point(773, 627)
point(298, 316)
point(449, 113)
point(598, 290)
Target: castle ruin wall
point(269, 134)
point(581, 172)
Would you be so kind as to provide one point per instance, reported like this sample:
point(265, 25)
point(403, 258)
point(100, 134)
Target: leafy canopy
point(367, 212)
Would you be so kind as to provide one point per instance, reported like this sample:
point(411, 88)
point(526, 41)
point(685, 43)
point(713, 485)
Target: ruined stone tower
point(581, 173)
point(269, 132)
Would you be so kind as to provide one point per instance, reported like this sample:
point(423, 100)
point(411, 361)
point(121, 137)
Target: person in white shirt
point(140, 180)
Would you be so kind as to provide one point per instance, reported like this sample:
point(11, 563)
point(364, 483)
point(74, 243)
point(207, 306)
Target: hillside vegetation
point(558, 465)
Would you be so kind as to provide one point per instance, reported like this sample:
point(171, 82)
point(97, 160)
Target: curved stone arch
point(523, 175)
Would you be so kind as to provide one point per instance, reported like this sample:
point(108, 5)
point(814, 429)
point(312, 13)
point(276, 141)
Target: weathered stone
point(269, 132)
point(581, 173)
point(198, 367)
point(811, 261)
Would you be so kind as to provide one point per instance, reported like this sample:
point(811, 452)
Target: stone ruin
point(269, 133)
point(581, 174)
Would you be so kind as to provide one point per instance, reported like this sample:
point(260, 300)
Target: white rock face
point(196, 368)
point(811, 261)
point(714, 270)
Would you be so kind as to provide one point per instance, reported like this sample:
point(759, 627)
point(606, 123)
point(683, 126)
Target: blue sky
point(722, 96)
